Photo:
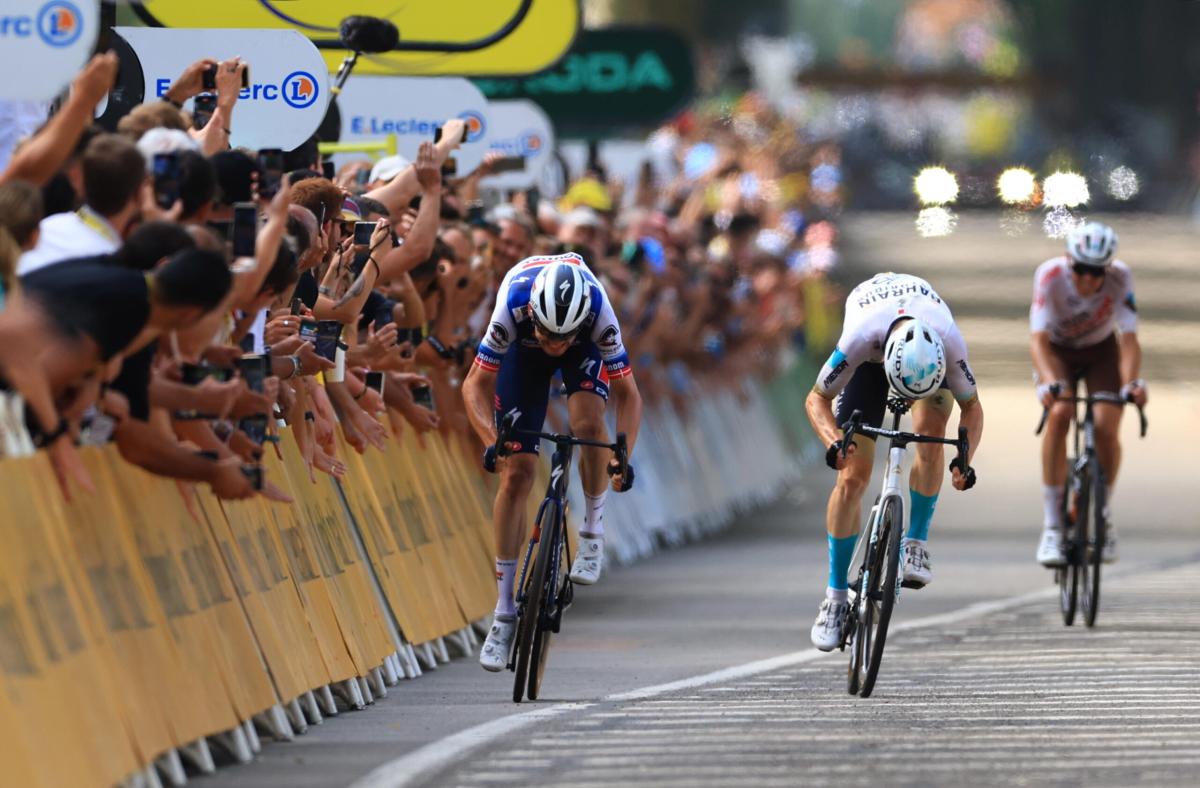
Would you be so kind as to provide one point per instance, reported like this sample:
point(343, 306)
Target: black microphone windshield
point(369, 34)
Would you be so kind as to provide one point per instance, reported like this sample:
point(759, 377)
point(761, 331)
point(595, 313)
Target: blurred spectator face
point(114, 173)
point(514, 244)
point(20, 212)
point(460, 242)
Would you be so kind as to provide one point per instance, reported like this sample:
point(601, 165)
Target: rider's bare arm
point(1131, 357)
point(1043, 364)
point(623, 391)
point(479, 392)
point(820, 415)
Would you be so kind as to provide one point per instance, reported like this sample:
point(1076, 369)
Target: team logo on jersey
point(608, 338)
point(1129, 302)
point(962, 364)
point(499, 334)
point(587, 384)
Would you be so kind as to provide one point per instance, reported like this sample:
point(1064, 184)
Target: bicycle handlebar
point(855, 425)
point(507, 429)
point(1091, 399)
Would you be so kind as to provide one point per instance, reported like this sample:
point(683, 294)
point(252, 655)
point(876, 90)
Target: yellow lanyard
point(92, 220)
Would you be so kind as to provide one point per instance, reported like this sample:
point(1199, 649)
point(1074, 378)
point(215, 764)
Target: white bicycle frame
point(870, 531)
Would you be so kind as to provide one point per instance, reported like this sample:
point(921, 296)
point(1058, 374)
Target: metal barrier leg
point(378, 683)
point(443, 654)
point(425, 654)
point(252, 736)
point(148, 778)
point(235, 741)
point(171, 767)
point(328, 705)
point(275, 722)
point(408, 661)
point(462, 642)
point(389, 670)
point(309, 702)
point(294, 717)
point(350, 693)
point(199, 756)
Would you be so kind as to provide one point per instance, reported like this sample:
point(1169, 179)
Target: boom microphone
point(360, 34)
point(368, 34)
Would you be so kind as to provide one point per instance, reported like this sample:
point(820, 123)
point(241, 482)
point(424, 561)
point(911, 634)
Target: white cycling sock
point(506, 572)
point(837, 594)
point(593, 516)
point(1052, 498)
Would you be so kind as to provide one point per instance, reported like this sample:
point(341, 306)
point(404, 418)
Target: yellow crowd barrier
point(144, 621)
point(147, 617)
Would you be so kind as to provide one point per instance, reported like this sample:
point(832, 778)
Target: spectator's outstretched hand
point(229, 81)
point(190, 82)
point(68, 467)
point(97, 78)
point(429, 174)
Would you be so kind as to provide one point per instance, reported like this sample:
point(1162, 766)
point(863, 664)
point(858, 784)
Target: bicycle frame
point(556, 496)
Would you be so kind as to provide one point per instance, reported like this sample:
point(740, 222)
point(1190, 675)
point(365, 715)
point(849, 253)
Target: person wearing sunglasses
point(551, 316)
point(1083, 322)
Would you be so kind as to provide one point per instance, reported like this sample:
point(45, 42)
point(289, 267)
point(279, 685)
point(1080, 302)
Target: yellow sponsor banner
point(476, 596)
point(397, 565)
point(153, 512)
point(322, 514)
point(272, 600)
point(307, 575)
point(52, 673)
point(431, 540)
point(506, 37)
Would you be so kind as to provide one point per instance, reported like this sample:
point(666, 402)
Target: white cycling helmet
point(1092, 244)
point(914, 359)
point(560, 298)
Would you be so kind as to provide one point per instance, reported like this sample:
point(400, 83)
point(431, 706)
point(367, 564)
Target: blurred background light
point(1016, 185)
point(1059, 221)
point(936, 186)
point(1065, 190)
point(1123, 183)
point(936, 222)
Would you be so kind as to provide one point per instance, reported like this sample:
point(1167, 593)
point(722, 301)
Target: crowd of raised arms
point(190, 302)
point(186, 301)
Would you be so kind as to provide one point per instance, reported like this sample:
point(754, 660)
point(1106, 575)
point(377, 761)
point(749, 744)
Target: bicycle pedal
point(911, 584)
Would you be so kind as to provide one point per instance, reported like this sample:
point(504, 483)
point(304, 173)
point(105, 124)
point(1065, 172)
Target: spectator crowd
point(185, 300)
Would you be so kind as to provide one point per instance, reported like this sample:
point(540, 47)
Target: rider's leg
point(930, 417)
point(586, 411)
point(1104, 375)
point(508, 520)
point(844, 513)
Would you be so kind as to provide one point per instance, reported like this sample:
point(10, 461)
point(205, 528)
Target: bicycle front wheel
point(1093, 553)
point(552, 596)
point(533, 599)
point(881, 590)
point(1068, 576)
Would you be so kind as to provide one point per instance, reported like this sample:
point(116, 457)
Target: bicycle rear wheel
point(552, 595)
point(882, 588)
point(1094, 546)
point(531, 605)
point(1067, 576)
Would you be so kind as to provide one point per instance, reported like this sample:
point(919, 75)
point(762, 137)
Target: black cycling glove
point(627, 481)
point(831, 454)
point(968, 474)
point(489, 459)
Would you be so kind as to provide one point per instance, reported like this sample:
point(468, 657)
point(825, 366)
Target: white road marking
point(411, 768)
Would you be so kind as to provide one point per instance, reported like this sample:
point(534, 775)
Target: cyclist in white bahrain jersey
point(1083, 325)
point(898, 334)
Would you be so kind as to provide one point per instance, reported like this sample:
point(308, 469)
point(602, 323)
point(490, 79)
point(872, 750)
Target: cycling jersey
point(512, 323)
point(1075, 321)
point(871, 310)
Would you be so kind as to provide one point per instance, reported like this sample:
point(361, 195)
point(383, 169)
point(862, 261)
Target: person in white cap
point(385, 169)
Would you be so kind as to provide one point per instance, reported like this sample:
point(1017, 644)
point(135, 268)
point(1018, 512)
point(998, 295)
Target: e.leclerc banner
point(289, 86)
point(43, 44)
point(612, 79)
point(411, 108)
point(519, 128)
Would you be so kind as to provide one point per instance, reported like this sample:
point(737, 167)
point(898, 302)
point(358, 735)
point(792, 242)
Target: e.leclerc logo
point(476, 126)
point(530, 143)
point(59, 23)
point(299, 89)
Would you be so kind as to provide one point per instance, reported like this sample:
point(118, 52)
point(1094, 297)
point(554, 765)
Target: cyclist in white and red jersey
point(551, 315)
point(1083, 323)
point(898, 335)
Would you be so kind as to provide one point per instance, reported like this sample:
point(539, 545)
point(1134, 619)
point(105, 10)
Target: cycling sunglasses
point(1083, 269)
point(547, 336)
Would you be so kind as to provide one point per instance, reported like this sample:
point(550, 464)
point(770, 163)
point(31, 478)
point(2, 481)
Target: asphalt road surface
point(695, 668)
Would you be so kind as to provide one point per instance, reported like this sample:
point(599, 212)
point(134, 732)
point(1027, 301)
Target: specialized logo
point(59, 23)
point(476, 125)
point(299, 89)
point(563, 288)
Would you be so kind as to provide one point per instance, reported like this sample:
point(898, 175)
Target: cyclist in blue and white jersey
point(898, 334)
point(551, 315)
